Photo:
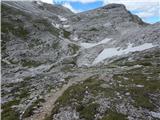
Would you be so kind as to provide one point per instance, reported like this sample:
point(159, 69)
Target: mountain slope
point(111, 20)
point(100, 64)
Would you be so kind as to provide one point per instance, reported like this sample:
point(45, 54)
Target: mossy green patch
point(73, 92)
point(76, 93)
point(31, 108)
point(10, 103)
point(19, 91)
point(149, 84)
point(73, 48)
point(66, 34)
point(55, 45)
point(9, 114)
point(30, 63)
point(143, 101)
point(45, 25)
point(88, 111)
point(111, 115)
point(15, 29)
point(68, 68)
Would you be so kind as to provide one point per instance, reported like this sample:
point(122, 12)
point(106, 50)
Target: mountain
point(101, 64)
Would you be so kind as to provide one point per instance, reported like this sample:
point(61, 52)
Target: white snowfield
point(110, 52)
point(56, 25)
point(62, 19)
point(89, 45)
point(66, 26)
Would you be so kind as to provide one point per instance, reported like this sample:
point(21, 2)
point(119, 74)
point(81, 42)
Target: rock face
point(111, 20)
point(112, 55)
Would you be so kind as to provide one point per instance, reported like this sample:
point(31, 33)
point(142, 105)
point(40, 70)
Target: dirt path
point(51, 99)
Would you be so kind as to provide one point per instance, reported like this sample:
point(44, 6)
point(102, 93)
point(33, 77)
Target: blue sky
point(148, 10)
point(84, 7)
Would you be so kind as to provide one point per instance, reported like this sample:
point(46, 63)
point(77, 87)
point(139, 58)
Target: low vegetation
point(19, 92)
point(31, 108)
point(73, 48)
point(30, 63)
point(66, 34)
point(110, 115)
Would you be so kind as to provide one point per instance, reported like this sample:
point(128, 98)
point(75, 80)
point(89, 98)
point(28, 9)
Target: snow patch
point(89, 45)
point(155, 114)
point(66, 26)
point(39, 2)
point(47, 1)
point(75, 38)
point(110, 52)
point(140, 86)
point(62, 18)
point(56, 25)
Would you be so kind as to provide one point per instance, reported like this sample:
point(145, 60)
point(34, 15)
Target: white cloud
point(67, 5)
point(151, 11)
point(131, 1)
point(144, 14)
point(108, 1)
point(48, 1)
point(145, 8)
point(45, 1)
point(84, 1)
point(81, 1)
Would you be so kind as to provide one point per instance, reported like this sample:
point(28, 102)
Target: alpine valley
point(102, 64)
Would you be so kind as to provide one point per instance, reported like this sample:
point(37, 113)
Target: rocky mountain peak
point(113, 5)
point(120, 11)
point(110, 20)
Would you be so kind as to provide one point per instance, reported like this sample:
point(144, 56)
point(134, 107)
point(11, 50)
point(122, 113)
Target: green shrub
point(66, 34)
